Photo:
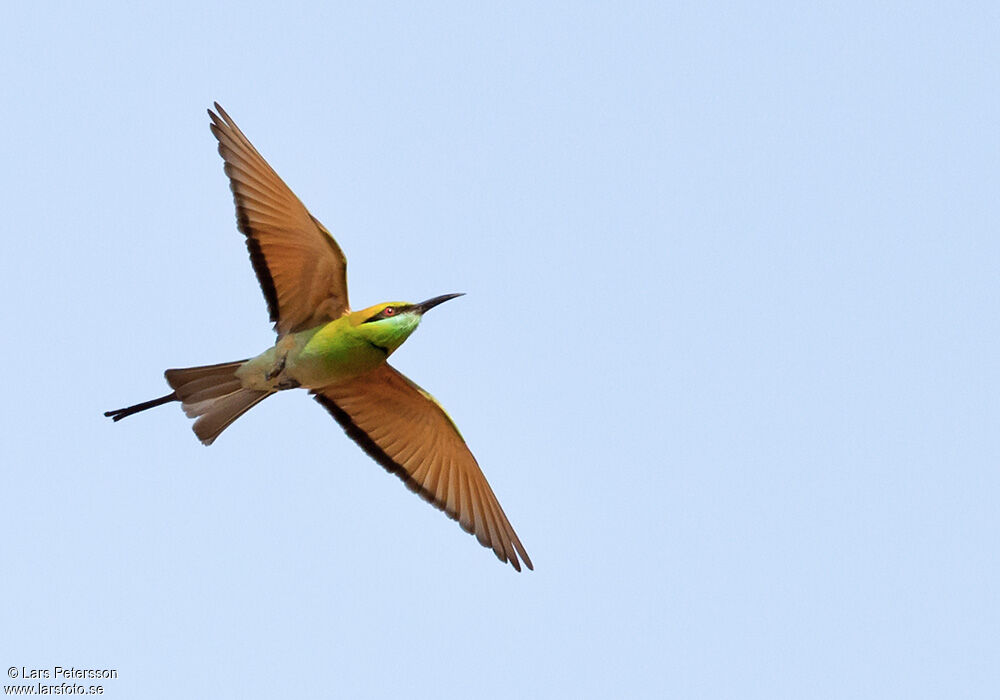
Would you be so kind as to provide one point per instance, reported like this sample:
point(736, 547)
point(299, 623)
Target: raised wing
point(301, 269)
point(406, 431)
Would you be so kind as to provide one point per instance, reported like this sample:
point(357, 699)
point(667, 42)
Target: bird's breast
point(334, 353)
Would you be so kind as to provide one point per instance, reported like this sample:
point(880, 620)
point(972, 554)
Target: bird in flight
point(338, 355)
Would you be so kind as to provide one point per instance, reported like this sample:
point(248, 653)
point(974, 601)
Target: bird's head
point(388, 325)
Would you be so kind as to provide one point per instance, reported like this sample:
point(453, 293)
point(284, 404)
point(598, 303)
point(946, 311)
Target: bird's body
point(342, 349)
point(338, 355)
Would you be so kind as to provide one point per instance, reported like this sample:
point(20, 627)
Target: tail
point(212, 394)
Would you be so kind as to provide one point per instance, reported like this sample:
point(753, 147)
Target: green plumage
point(342, 349)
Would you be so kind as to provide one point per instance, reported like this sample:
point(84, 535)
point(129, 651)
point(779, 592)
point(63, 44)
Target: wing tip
point(513, 560)
point(219, 113)
point(527, 560)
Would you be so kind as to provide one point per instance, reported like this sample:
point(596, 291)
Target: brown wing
point(406, 431)
point(301, 269)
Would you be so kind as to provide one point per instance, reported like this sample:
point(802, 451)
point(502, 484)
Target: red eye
point(388, 311)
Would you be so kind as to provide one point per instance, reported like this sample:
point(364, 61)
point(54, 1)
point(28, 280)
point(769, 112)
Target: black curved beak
point(425, 306)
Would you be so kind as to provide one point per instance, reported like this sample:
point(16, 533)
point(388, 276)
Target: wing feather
point(406, 431)
point(301, 269)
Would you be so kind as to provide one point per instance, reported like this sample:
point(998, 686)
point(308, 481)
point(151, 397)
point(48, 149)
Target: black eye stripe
point(396, 311)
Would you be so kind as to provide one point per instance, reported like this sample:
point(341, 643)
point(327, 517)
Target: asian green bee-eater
point(336, 354)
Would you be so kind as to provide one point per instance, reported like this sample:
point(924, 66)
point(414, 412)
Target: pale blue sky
point(729, 354)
